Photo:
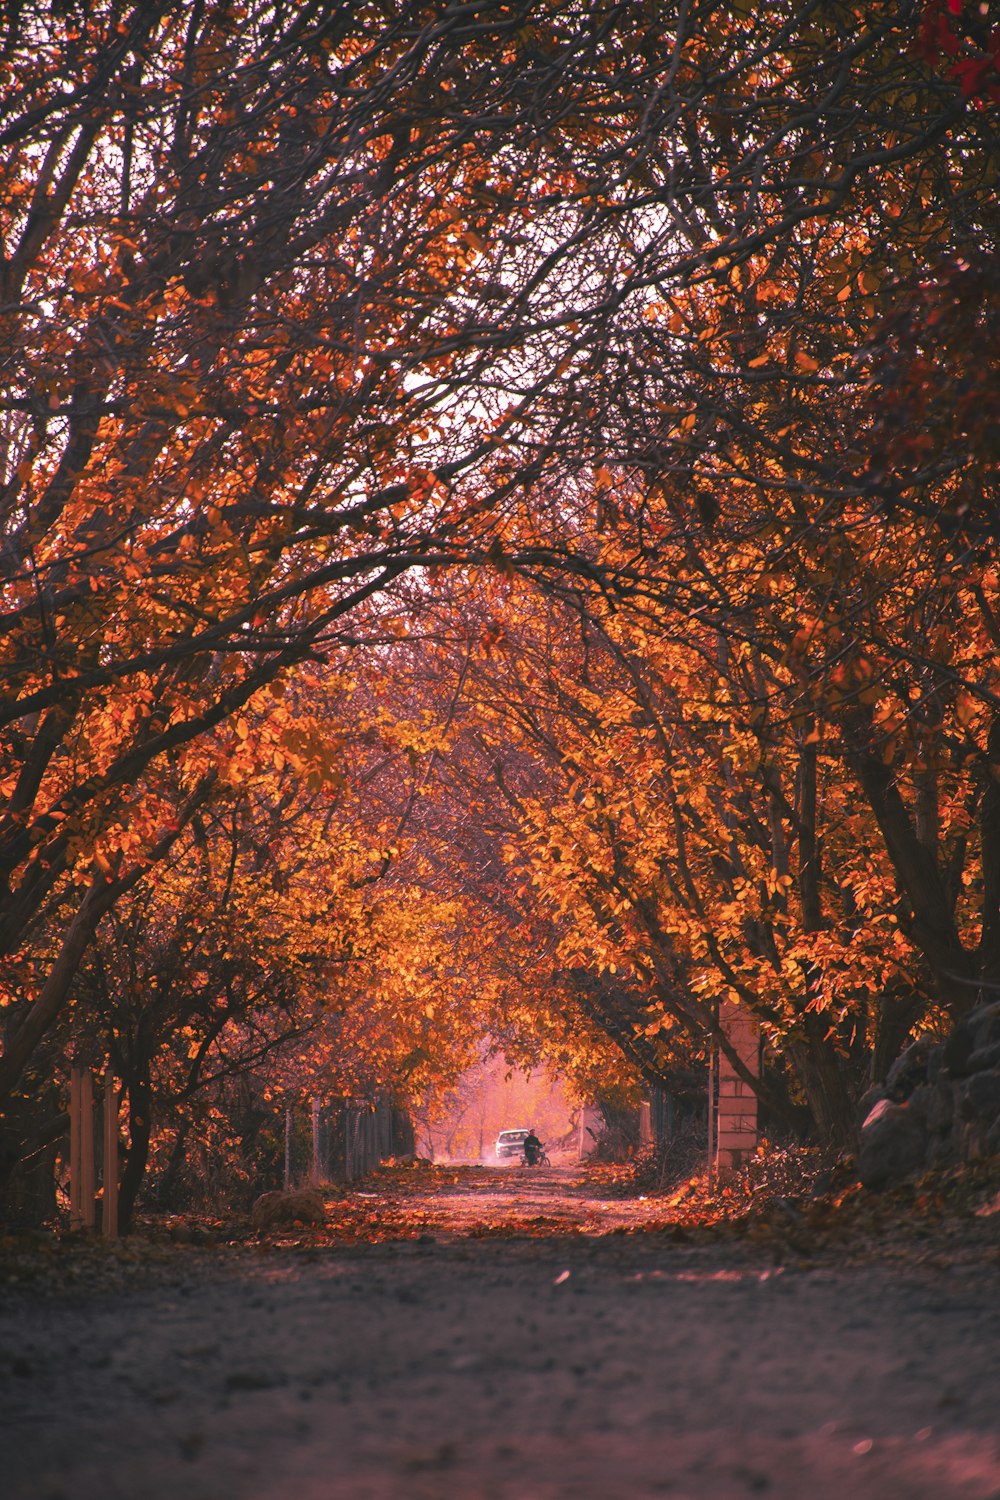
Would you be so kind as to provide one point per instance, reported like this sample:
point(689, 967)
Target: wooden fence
point(345, 1139)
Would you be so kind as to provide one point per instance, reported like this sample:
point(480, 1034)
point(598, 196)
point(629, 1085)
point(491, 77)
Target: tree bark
point(821, 1073)
point(166, 1186)
point(931, 924)
point(22, 1043)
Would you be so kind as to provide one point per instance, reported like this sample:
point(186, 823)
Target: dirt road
point(503, 1368)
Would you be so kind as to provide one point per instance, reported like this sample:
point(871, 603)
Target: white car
point(511, 1143)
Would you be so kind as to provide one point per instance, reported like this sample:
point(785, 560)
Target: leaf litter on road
point(944, 1219)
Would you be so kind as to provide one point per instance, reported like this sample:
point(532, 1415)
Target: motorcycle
point(534, 1156)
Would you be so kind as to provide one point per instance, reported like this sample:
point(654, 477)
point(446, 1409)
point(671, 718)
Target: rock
point(984, 1025)
point(940, 1104)
point(921, 1103)
point(984, 1057)
point(876, 1113)
point(300, 1206)
point(958, 1048)
point(893, 1144)
point(976, 1032)
point(909, 1070)
point(934, 1106)
point(868, 1101)
point(979, 1097)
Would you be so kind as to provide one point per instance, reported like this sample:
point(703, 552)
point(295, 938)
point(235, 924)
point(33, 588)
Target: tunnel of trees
point(498, 526)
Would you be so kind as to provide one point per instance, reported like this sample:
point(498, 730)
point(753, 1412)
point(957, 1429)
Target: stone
point(298, 1206)
point(958, 1048)
point(974, 1034)
point(940, 1105)
point(934, 1106)
point(921, 1103)
point(868, 1101)
point(909, 1070)
point(984, 1025)
point(983, 1058)
point(978, 1112)
point(876, 1113)
point(893, 1145)
point(979, 1097)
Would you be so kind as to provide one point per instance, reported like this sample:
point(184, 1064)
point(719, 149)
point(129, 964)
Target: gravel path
point(504, 1369)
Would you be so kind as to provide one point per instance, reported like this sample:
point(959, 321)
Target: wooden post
point(75, 1218)
point(374, 1140)
point(109, 1200)
point(352, 1126)
point(317, 1168)
point(81, 1149)
point(87, 1183)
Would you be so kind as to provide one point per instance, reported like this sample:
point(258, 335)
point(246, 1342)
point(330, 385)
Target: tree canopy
point(585, 411)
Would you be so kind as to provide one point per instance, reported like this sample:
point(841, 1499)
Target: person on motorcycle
point(532, 1148)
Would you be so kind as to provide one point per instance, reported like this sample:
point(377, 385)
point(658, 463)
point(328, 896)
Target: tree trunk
point(21, 1044)
point(166, 1187)
point(931, 924)
point(825, 1082)
point(896, 1015)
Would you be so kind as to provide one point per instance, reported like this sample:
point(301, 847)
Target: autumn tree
point(708, 816)
point(302, 305)
point(283, 950)
point(246, 295)
point(791, 483)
